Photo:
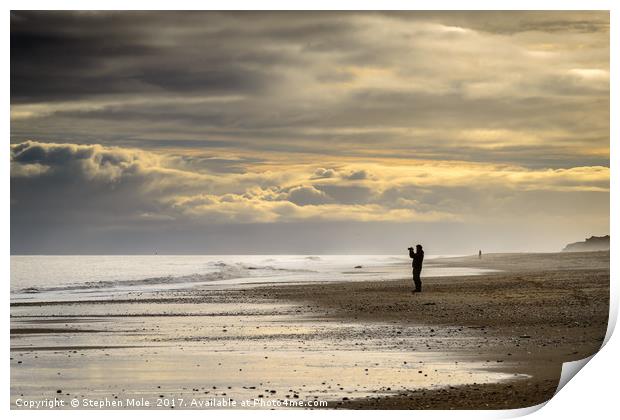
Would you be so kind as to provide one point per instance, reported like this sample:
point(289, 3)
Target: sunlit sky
point(298, 132)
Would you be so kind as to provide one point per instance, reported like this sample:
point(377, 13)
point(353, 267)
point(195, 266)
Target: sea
point(86, 277)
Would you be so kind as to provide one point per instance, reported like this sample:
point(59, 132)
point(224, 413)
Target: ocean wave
point(223, 271)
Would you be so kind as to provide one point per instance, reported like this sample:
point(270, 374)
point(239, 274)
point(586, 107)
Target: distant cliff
point(593, 243)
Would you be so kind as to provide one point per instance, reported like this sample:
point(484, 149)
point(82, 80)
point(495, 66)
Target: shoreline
point(525, 322)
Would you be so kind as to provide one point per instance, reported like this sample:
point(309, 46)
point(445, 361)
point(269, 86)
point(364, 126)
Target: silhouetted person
point(479, 254)
point(418, 258)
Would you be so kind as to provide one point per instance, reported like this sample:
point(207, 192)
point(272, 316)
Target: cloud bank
point(141, 182)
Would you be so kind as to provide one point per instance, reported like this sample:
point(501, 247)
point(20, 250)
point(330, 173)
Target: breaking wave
point(222, 271)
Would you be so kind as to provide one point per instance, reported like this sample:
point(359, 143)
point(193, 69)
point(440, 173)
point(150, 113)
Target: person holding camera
point(417, 257)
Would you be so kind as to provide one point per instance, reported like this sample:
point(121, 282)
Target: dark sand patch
point(72, 348)
point(464, 397)
point(22, 331)
point(54, 319)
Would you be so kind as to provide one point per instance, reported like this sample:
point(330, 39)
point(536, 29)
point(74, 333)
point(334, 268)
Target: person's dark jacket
point(418, 258)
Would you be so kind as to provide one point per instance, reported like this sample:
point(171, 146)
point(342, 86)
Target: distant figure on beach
point(479, 254)
point(417, 257)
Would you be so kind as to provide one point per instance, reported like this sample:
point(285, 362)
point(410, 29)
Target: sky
point(308, 132)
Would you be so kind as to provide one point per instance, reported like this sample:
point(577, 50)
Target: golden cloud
point(279, 191)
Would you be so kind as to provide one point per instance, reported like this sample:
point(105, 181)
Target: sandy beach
point(496, 340)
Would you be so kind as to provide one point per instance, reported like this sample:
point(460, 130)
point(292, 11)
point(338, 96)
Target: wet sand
point(491, 341)
point(540, 311)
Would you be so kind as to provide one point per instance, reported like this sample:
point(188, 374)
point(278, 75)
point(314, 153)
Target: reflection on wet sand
point(278, 354)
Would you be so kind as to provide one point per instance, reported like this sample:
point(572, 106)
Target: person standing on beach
point(479, 254)
point(418, 258)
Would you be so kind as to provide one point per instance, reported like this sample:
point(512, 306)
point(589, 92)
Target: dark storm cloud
point(267, 59)
point(59, 56)
point(55, 56)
